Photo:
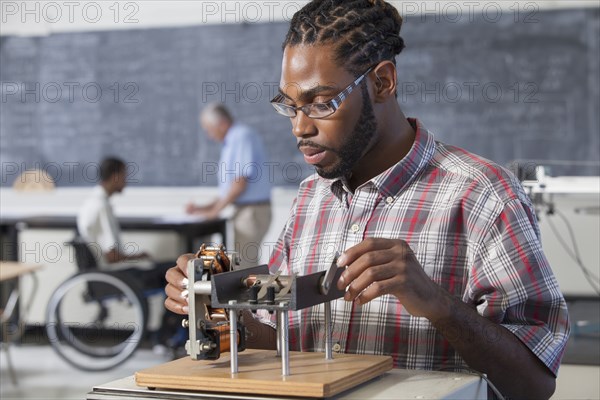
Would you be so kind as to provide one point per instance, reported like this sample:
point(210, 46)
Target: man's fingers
point(362, 264)
point(176, 294)
point(366, 279)
point(182, 262)
point(177, 284)
point(176, 307)
point(375, 290)
point(370, 244)
point(175, 277)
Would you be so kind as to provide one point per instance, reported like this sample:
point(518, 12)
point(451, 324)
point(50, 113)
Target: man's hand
point(193, 209)
point(388, 266)
point(385, 266)
point(176, 289)
point(190, 208)
point(115, 256)
point(141, 256)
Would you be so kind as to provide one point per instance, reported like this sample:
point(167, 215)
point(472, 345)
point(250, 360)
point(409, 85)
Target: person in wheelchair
point(98, 226)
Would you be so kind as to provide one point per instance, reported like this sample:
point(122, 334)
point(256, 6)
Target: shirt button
point(336, 347)
point(354, 228)
point(389, 200)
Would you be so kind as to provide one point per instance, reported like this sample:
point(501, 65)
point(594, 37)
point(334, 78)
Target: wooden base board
point(260, 373)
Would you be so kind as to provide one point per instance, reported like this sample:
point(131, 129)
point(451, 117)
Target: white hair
point(215, 113)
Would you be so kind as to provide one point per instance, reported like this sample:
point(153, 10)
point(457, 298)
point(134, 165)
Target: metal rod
point(202, 287)
point(285, 351)
point(278, 325)
point(233, 339)
point(193, 344)
point(328, 331)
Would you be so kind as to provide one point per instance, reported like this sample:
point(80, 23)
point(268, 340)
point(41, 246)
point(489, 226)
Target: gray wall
point(523, 87)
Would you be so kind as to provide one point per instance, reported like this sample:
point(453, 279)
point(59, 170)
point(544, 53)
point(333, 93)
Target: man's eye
point(320, 107)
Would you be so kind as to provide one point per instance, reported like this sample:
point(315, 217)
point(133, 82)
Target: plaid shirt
point(471, 227)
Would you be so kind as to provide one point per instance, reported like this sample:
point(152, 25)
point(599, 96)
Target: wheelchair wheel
point(96, 320)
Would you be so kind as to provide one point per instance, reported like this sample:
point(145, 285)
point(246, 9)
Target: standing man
point(242, 181)
point(444, 266)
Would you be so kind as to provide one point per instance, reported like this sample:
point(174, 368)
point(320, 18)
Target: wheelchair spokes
point(102, 331)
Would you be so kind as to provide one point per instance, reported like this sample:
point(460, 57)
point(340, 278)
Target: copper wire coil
point(214, 259)
point(218, 314)
point(224, 337)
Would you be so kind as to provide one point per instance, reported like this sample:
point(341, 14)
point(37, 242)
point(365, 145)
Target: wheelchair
point(96, 319)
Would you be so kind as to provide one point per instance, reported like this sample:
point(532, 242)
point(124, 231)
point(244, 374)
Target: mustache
point(308, 143)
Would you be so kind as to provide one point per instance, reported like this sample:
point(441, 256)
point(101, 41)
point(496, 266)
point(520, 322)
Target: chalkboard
point(506, 88)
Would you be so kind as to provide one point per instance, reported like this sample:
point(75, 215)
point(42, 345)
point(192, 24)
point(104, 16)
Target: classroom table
point(189, 228)
point(11, 271)
point(392, 385)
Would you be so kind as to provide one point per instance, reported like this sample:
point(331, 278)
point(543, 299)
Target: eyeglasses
point(317, 110)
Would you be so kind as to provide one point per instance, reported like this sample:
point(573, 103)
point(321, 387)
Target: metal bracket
point(329, 275)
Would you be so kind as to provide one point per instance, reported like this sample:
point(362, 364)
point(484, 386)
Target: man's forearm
point(237, 188)
point(206, 207)
point(492, 349)
point(115, 256)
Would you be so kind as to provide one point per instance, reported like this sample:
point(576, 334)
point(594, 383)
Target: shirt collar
point(393, 180)
point(100, 192)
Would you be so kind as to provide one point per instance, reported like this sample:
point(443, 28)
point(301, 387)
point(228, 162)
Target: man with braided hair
point(444, 267)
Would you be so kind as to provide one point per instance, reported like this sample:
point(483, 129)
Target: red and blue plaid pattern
point(472, 228)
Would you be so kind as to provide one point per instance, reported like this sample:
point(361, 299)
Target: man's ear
point(385, 81)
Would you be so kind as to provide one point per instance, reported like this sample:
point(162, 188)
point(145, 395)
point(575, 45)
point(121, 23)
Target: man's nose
point(303, 126)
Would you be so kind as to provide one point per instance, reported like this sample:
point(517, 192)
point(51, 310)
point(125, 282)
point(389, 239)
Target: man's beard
point(356, 144)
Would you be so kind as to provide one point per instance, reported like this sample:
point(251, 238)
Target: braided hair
point(364, 32)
